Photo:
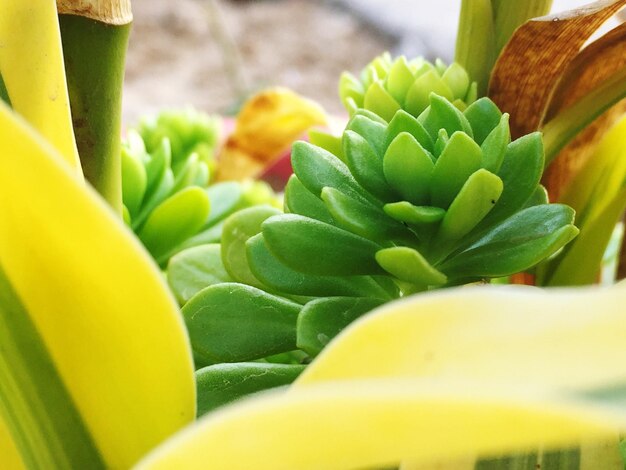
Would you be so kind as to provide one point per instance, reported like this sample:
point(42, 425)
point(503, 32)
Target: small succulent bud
point(387, 85)
point(167, 163)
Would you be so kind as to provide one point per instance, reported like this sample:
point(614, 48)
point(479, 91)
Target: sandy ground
point(175, 57)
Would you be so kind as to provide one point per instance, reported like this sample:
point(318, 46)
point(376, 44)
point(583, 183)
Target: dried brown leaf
point(596, 63)
point(526, 73)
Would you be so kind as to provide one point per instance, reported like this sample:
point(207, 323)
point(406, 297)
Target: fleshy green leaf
point(370, 127)
point(404, 122)
point(408, 168)
point(477, 197)
point(299, 200)
point(379, 101)
point(316, 169)
point(220, 384)
point(191, 270)
point(234, 322)
point(495, 145)
point(310, 246)
point(409, 265)
point(322, 319)
point(366, 166)
point(238, 228)
point(520, 172)
point(362, 219)
point(483, 115)
point(516, 244)
point(275, 274)
point(460, 159)
point(418, 96)
point(176, 219)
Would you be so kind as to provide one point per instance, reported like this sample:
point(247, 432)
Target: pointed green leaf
point(379, 101)
point(366, 166)
point(495, 145)
point(275, 274)
point(316, 169)
point(238, 228)
point(362, 219)
point(370, 129)
point(322, 319)
point(220, 384)
point(400, 79)
point(409, 265)
point(520, 172)
point(477, 197)
point(460, 158)
point(483, 115)
point(406, 212)
point(193, 269)
point(442, 114)
point(408, 168)
point(418, 96)
point(299, 200)
point(310, 246)
point(234, 322)
point(457, 80)
point(175, 220)
point(518, 243)
point(134, 182)
point(350, 88)
point(404, 122)
point(329, 142)
point(440, 144)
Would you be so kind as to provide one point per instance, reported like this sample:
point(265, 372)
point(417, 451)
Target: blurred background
point(213, 53)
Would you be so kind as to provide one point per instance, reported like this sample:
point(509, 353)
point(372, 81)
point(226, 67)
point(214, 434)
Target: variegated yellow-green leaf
point(31, 66)
point(103, 312)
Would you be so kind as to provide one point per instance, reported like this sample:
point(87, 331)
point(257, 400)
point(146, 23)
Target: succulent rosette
point(408, 205)
point(167, 167)
point(386, 85)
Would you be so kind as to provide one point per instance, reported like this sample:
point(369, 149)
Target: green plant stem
point(509, 15)
point(475, 44)
point(559, 131)
point(95, 55)
point(34, 403)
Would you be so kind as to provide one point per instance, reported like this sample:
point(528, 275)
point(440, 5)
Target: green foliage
point(220, 384)
point(387, 85)
point(416, 204)
point(169, 199)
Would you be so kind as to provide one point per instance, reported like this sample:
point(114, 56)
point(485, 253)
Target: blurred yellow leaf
point(266, 127)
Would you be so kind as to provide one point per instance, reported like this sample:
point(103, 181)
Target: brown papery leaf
point(535, 58)
point(596, 63)
point(266, 126)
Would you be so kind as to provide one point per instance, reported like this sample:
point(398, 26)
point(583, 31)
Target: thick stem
point(95, 54)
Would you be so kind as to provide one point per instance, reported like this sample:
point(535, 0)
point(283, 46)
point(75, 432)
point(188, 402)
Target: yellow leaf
point(266, 126)
point(561, 338)
point(31, 65)
point(377, 423)
point(104, 313)
point(11, 459)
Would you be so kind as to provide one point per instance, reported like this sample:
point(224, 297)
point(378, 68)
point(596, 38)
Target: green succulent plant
point(412, 204)
point(169, 201)
point(387, 85)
